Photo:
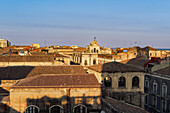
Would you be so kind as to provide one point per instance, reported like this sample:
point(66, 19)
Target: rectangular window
point(163, 105)
point(154, 101)
point(155, 88)
point(150, 54)
point(164, 91)
point(134, 53)
point(146, 99)
point(147, 84)
point(155, 54)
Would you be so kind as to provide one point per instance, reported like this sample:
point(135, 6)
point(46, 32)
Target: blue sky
point(115, 23)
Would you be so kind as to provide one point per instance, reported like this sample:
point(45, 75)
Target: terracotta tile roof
point(150, 48)
point(97, 68)
point(165, 71)
point(20, 72)
point(123, 107)
point(26, 58)
point(61, 80)
point(80, 49)
point(113, 67)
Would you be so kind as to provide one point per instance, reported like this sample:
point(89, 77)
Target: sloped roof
point(123, 107)
point(48, 58)
point(61, 80)
point(80, 49)
point(20, 72)
point(138, 61)
point(150, 48)
point(165, 71)
point(113, 67)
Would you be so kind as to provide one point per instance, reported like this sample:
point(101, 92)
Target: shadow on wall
point(4, 101)
point(64, 104)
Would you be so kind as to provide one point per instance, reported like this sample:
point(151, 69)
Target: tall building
point(4, 43)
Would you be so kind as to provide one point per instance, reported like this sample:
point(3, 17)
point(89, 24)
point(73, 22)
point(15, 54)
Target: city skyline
point(114, 23)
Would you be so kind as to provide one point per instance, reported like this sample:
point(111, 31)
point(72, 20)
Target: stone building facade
point(89, 56)
point(122, 81)
point(56, 93)
point(4, 43)
point(157, 91)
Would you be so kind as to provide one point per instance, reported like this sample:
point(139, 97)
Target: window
point(150, 54)
point(154, 101)
point(134, 53)
point(108, 81)
point(155, 54)
point(146, 99)
point(164, 91)
point(56, 109)
point(80, 109)
point(147, 83)
point(163, 105)
point(155, 88)
point(32, 109)
point(94, 50)
point(85, 62)
point(135, 81)
point(122, 82)
point(94, 61)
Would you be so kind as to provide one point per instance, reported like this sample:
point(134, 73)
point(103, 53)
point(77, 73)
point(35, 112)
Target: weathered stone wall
point(129, 75)
point(20, 99)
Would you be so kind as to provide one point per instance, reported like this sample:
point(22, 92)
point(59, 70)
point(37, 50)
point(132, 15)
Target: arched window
point(135, 81)
point(94, 61)
point(85, 62)
point(94, 50)
point(56, 109)
point(32, 109)
point(80, 109)
point(97, 51)
point(122, 82)
point(108, 81)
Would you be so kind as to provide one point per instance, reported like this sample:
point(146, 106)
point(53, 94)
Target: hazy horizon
point(118, 23)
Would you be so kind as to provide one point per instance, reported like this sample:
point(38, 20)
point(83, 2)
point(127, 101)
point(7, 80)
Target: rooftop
point(123, 107)
point(60, 80)
point(20, 72)
point(39, 58)
point(165, 71)
point(113, 67)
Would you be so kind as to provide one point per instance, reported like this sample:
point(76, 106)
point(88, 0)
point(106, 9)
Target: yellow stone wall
point(19, 97)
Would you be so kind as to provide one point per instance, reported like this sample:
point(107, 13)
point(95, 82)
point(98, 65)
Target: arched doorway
point(56, 109)
point(80, 109)
point(32, 109)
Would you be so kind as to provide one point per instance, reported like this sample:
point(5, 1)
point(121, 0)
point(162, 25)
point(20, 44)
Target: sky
point(114, 23)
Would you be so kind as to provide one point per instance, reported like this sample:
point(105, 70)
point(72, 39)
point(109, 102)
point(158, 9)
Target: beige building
point(11, 75)
point(4, 43)
point(122, 81)
point(56, 93)
point(35, 45)
point(89, 56)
